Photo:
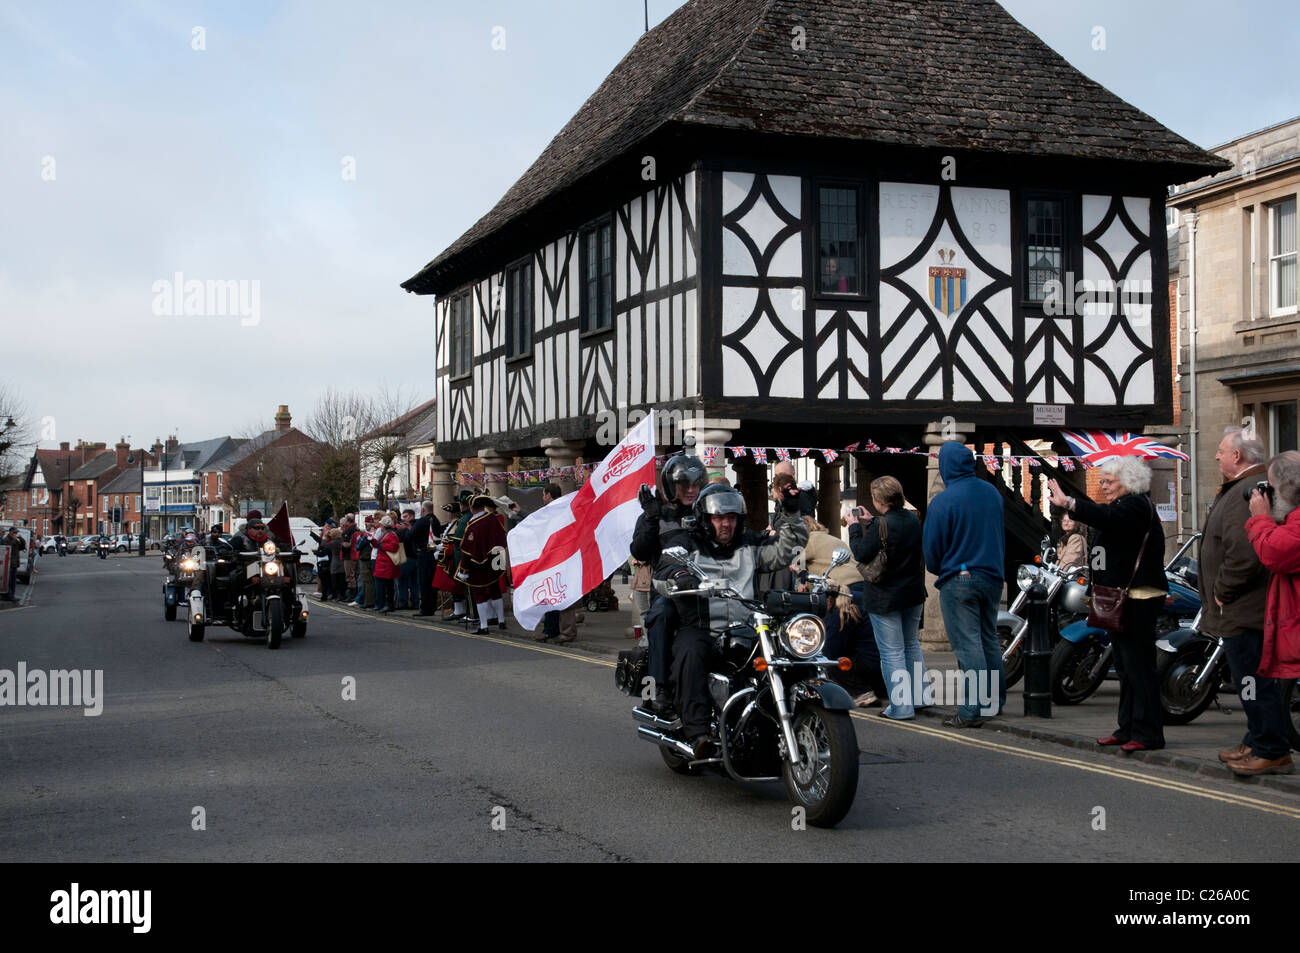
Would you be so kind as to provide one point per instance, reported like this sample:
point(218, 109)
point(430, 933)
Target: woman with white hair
point(1131, 545)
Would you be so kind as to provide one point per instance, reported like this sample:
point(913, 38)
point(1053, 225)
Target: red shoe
point(1109, 740)
point(1132, 746)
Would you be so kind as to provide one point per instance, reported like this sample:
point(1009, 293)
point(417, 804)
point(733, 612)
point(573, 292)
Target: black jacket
point(1119, 529)
point(419, 535)
point(655, 533)
point(903, 584)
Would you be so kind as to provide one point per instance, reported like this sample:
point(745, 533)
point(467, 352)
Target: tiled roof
point(128, 481)
point(95, 467)
point(950, 74)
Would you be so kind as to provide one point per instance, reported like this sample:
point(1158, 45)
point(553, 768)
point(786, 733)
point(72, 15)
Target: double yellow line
point(951, 736)
point(1124, 774)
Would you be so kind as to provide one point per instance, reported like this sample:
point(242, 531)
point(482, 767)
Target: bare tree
point(385, 443)
point(336, 422)
point(17, 430)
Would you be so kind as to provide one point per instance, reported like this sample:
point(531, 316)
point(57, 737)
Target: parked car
point(51, 544)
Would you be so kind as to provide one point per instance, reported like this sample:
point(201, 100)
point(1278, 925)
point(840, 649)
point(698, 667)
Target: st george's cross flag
point(1098, 446)
point(570, 546)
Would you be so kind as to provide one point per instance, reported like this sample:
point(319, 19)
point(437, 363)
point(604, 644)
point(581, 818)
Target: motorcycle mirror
point(840, 557)
point(677, 554)
point(1045, 544)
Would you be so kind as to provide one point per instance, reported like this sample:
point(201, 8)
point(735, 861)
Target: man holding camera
point(1234, 588)
point(1274, 531)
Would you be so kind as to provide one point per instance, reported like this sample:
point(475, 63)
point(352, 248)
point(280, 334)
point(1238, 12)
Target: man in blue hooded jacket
point(965, 548)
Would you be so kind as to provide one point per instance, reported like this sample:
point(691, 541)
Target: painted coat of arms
point(947, 284)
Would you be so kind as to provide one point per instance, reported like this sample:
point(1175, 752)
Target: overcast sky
point(127, 155)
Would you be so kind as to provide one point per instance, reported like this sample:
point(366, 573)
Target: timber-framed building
point(813, 221)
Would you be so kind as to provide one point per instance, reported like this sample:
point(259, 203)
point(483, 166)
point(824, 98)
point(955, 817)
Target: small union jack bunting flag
point(739, 452)
point(710, 454)
point(782, 453)
point(830, 455)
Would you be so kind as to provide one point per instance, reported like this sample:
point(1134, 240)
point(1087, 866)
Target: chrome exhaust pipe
point(647, 717)
point(680, 748)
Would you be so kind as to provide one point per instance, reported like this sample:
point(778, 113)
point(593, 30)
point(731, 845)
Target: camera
point(1263, 486)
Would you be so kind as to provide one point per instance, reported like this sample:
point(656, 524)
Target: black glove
point(790, 499)
point(685, 579)
point(649, 502)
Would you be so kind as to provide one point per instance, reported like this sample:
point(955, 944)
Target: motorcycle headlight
point(1026, 576)
point(271, 569)
point(189, 565)
point(803, 636)
point(269, 548)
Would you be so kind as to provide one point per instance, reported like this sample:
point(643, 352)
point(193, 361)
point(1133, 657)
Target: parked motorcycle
point(1081, 661)
point(254, 593)
point(777, 716)
point(1067, 598)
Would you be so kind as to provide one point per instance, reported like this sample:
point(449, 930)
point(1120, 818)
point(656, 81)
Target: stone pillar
point(863, 474)
point(563, 453)
point(494, 461)
point(442, 484)
point(829, 476)
point(937, 433)
point(751, 478)
point(711, 432)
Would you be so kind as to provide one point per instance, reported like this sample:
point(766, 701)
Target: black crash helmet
point(718, 500)
point(681, 469)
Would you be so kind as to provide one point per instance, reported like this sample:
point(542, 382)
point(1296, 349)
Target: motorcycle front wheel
point(1013, 665)
point(1077, 670)
point(196, 631)
point(825, 780)
point(169, 612)
point(274, 624)
point(1180, 702)
point(1291, 703)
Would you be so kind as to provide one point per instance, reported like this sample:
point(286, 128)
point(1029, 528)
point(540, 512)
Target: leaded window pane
point(837, 241)
point(1044, 245)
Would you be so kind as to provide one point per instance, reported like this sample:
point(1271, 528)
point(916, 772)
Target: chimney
point(157, 447)
point(282, 419)
point(121, 449)
point(172, 444)
point(65, 446)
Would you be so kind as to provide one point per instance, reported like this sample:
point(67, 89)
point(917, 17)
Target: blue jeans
point(970, 617)
point(901, 662)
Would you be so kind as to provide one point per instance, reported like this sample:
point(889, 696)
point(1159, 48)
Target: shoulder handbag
point(874, 570)
point(398, 555)
point(1106, 610)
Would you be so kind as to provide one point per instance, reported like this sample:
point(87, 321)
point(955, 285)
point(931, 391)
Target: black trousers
point(425, 565)
point(1266, 718)
point(692, 649)
point(1135, 661)
point(660, 623)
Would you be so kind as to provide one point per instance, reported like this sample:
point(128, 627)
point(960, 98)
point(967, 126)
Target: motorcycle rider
point(254, 534)
point(663, 523)
point(727, 553)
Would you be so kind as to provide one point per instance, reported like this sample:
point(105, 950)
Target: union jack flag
point(710, 454)
point(1098, 446)
point(782, 453)
point(739, 452)
point(803, 451)
point(1067, 463)
point(991, 462)
point(831, 455)
point(760, 453)
point(871, 447)
point(851, 447)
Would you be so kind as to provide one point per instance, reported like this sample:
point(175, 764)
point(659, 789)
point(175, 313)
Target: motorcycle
point(1067, 593)
point(103, 547)
point(253, 593)
point(183, 569)
point(776, 714)
point(1081, 661)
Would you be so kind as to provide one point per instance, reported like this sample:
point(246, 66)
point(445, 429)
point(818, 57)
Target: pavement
point(1193, 748)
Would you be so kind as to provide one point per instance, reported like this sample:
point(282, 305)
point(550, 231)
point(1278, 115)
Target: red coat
point(1278, 546)
point(384, 568)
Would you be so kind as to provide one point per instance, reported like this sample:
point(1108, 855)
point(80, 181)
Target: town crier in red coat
point(483, 562)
